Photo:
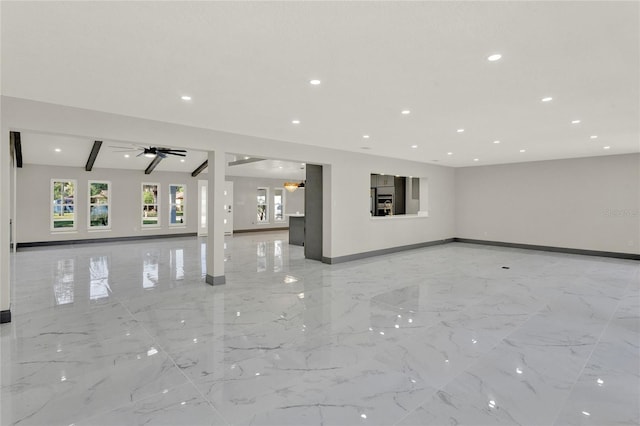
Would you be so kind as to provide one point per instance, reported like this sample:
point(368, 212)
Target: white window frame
point(266, 200)
point(142, 203)
point(52, 206)
point(184, 205)
point(89, 204)
point(284, 203)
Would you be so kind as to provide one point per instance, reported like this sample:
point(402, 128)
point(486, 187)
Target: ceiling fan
point(152, 151)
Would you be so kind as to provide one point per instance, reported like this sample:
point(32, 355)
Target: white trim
point(268, 216)
point(52, 205)
point(284, 205)
point(142, 204)
point(98, 228)
point(184, 205)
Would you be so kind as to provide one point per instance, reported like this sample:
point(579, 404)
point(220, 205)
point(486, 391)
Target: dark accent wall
point(313, 213)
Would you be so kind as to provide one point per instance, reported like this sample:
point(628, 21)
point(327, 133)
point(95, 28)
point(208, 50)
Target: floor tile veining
point(115, 334)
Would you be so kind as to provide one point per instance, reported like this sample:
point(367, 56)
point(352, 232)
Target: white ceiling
point(247, 65)
point(74, 151)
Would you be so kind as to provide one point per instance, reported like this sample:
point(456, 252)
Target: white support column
point(5, 215)
point(215, 218)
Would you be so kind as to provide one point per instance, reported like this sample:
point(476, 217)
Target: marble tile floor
point(129, 334)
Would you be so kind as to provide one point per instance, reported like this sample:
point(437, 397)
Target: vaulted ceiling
point(247, 67)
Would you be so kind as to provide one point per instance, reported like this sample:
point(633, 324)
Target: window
point(263, 206)
point(278, 205)
point(150, 204)
point(63, 204)
point(99, 201)
point(177, 203)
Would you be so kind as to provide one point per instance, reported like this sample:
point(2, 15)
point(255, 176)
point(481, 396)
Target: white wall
point(244, 202)
point(34, 192)
point(586, 203)
point(347, 227)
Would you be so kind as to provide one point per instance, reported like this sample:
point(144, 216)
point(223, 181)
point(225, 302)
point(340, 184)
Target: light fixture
point(405, 112)
point(494, 57)
point(547, 99)
point(292, 186)
point(575, 122)
point(182, 160)
point(414, 146)
point(496, 141)
point(127, 156)
point(315, 82)
point(185, 98)
point(476, 159)
point(523, 150)
point(246, 157)
point(594, 137)
point(606, 147)
point(449, 153)
point(365, 136)
point(57, 150)
point(295, 121)
point(460, 130)
point(149, 155)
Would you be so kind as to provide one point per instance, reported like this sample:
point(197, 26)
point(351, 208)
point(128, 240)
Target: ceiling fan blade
point(175, 153)
point(161, 154)
point(126, 150)
point(142, 153)
point(171, 150)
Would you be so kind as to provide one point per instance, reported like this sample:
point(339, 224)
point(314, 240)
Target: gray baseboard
point(5, 316)
point(631, 256)
point(243, 231)
point(101, 240)
point(364, 255)
point(215, 280)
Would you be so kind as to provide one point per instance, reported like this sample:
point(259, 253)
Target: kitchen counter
point(296, 229)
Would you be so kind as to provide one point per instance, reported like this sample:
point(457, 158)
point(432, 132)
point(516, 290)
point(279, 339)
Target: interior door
point(228, 208)
point(203, 227)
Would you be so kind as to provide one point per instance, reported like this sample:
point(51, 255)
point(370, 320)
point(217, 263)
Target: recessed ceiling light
point(606, 147)
point(523, 150)
point(127, 156)
point(315, 82)
point(303, 164)
point(365, 136)
point(57, 150)
point(406, 112)
point(185, 98)
point(496, 141)
point(295, 121)
point(280, 167)
point(547, 99)
point(246, 158)
point(594, 136)
point(476, 159)
point(460, 130)
point(414, 146)
point(575, 122)
point(494, 57)
point(449, 153)
point(182, 160)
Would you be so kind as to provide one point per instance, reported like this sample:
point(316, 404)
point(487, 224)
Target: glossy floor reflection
point(118, 334)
